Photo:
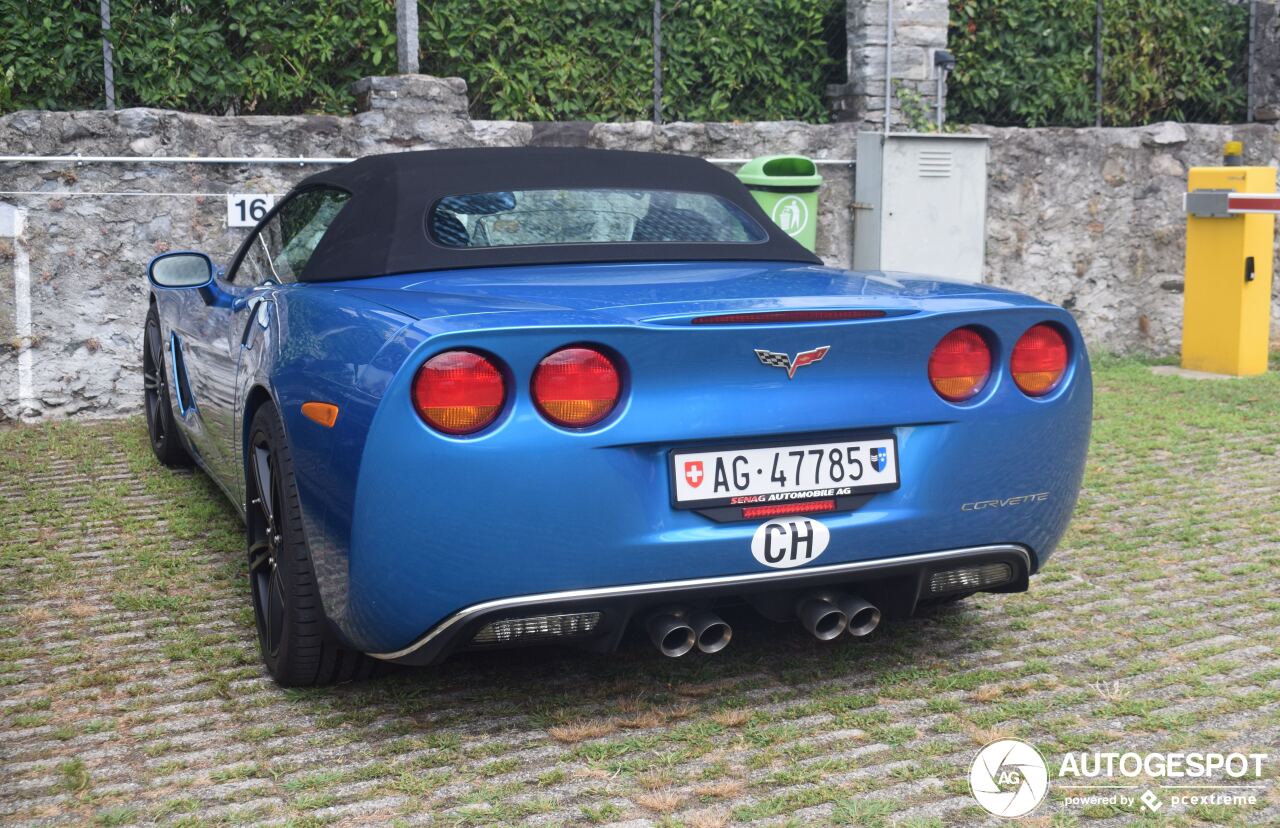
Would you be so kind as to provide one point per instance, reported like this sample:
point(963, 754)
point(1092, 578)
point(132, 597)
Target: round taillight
point(459, 392)
point(960, 365)
point(1039, 360)
point(576, 387)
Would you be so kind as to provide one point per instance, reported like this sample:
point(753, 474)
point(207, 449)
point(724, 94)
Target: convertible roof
point(381, 230)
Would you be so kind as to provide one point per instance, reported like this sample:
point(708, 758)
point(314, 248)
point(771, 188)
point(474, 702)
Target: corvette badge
point(802, 359)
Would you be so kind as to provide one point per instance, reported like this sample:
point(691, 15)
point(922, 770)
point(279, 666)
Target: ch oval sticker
point(787, 542)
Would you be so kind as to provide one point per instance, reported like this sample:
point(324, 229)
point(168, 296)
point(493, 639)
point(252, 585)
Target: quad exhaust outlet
point(828, 614)
point(670, 633)
point(711, 632)
point(821, 617)
point(863, 616)
point(676, 631)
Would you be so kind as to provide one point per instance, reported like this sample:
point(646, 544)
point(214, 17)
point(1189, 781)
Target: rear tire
point(162, 430)
point(292, 636)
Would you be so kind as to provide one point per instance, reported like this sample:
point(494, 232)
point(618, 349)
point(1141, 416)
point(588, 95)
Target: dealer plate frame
point(718, 506)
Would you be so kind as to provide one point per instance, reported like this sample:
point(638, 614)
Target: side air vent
point(181, 387)
point(934, 163)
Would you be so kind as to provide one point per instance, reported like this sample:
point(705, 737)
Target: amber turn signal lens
point(459, 392)
point(576, 387)
point(1039, 360)
point(326, 414)
point(960, 365)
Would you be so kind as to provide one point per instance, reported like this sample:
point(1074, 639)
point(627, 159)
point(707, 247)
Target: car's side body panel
point(341, 350)
point(203, 356)
point(293, 344)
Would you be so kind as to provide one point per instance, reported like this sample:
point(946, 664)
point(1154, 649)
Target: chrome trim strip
point(658, 587)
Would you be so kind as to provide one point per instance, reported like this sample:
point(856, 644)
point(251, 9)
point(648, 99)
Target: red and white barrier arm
point(1226, 203)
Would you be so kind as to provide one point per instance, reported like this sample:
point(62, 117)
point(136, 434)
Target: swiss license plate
point(781, 474)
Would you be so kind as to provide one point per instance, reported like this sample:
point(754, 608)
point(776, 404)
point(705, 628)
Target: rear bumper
point(897, 585)
point(441, 524)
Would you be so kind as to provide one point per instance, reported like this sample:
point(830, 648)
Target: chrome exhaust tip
point(821, 617)
point(670, 633)
point(863, 615)
point(710, 631)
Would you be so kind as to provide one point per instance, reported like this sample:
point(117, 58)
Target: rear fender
point(343, 351)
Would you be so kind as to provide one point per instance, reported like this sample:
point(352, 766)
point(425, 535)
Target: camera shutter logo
point(1009, 778)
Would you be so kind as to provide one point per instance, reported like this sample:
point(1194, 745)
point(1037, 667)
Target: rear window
point(516, 218)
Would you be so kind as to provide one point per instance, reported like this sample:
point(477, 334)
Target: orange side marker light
point(326, 414)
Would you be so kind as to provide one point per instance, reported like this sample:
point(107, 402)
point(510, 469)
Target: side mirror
point(183, 269)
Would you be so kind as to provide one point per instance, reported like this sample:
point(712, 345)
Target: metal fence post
point(657, 62)
point(1097, 65)
point(108, 72)
point(1250, 48)
point(888, 64)
point(406, 36)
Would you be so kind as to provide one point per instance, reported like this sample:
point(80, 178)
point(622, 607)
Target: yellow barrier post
point(1226, 312)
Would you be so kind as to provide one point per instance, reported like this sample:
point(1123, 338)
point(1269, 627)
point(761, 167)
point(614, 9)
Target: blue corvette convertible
point(469, 399)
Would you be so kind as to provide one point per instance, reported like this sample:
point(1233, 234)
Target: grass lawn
point(130, 690)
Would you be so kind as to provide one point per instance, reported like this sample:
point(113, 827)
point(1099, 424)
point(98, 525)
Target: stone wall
point(1092, 219)
point(79, 264)
point(1087, 218)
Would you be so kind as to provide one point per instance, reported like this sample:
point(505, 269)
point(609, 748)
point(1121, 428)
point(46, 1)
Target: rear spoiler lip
point(780, 316)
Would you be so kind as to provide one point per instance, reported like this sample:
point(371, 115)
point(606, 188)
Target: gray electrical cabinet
point(921, 204)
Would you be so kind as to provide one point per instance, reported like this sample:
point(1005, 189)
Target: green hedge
point(522, 59)
point(1031, 62)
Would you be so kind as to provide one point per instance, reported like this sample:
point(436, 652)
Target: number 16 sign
point(247, 209)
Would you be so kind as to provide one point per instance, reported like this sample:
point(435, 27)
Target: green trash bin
point(786, 187)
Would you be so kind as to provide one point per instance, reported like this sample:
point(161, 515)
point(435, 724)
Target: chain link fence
point(534, 60)
point(1100, 62)
point(1019, 62)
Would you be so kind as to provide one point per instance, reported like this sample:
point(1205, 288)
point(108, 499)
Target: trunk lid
point(631, 293)
point(687, 383)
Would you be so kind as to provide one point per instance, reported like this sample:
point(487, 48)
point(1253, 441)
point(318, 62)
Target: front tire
point(162, 430)
point(286, 601)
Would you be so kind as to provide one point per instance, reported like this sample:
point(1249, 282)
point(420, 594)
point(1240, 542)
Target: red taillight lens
point(960, 365)
point(576, 387)
point(1039, 360)
point(459, 392)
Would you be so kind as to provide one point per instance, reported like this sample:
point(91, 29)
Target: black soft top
point(382, 228)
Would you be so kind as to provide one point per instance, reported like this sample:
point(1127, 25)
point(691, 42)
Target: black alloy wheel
point(265, 540)
point(296, 645)
point(166, 443)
